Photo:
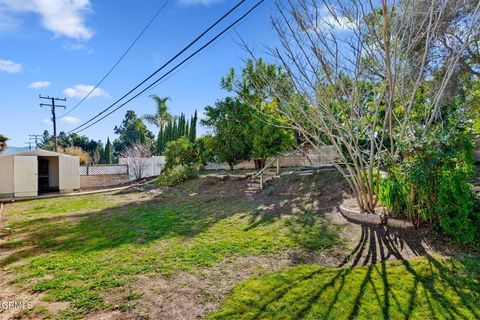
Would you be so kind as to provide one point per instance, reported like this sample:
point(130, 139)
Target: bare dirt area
point(365, 243)
point(24, 301)
point(193, 295)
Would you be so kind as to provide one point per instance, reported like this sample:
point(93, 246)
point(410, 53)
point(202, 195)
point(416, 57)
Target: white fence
point(323, 157)
point(151, 167)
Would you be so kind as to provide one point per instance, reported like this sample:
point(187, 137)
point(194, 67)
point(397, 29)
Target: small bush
point(177, 175)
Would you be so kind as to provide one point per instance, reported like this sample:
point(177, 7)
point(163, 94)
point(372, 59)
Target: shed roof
point(36, 152)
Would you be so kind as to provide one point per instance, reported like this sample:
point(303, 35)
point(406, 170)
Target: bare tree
point(137, 155)
point(96, 157)
point(358, 69)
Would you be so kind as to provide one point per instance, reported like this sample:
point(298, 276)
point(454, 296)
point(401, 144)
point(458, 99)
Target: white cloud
point(331, 20)
point(69, 120)
point(74, 46)
point(82, 90)
point(62, 17)
point(339, 24)
point(7, 21)
point(10, 66)
point(47, 122)
point(39, 84)
point(199, 2)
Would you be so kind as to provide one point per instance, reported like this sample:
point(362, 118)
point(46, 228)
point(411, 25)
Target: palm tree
point(161, 115)
point(3, 143)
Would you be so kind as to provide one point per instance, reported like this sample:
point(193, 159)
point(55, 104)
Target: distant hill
point(11, 149)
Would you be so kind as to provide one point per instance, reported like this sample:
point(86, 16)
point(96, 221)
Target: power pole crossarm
point(35, 137)
point(54, 119)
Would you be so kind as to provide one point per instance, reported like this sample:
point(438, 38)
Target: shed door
point(25, 173)
point(69, 173)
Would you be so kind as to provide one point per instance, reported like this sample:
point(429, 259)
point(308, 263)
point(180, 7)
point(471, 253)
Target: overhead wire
point(174, 68)
point(147, 26)
point(163, 66)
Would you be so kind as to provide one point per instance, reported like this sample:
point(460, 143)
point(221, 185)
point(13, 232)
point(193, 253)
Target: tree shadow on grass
point(366, 285)
point(306, 198)
point(132, 223)
point(382, 244)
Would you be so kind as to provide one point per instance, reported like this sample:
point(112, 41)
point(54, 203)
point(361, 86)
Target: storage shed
point(33, 172)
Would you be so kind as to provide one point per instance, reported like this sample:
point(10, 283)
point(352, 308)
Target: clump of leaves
point(78, 152)
point(431, 185)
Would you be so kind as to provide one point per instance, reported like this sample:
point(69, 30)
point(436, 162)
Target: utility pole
point(35, 137)
point(54, 119)
point(29, 144)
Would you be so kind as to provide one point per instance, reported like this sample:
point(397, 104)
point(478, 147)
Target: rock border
point(372, 218)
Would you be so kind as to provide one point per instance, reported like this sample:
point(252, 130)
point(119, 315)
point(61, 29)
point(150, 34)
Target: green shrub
point(455, 206)
point(176, 175)
point(180, 152)
point(392, 195)
point(431, 185)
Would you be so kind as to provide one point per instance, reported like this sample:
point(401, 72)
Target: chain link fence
point(103, 169)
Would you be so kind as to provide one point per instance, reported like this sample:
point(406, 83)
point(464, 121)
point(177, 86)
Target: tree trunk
point(231, 166)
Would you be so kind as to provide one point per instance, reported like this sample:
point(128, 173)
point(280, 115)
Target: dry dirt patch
point(193, 295)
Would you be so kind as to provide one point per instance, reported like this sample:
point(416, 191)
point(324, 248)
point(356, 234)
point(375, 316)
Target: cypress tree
point(107, 153)
point(174, 130)
point(168, 133)
point(159, 148)
point(193, 128)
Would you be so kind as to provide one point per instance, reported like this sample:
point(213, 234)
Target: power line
point(54, 120)
point(178, 65)
point(166, 74)
point(164, 65)
point(121, 57)
point(189, 62)
point(35, 138)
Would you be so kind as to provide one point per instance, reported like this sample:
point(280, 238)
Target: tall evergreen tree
point(160, 147)
point(193, 128)
point(174, 130)
point(107, 153)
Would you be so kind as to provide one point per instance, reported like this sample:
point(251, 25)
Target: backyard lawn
point(423, 288)
point(136, 254)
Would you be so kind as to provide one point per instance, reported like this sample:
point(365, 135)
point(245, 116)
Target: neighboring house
point(32, 172)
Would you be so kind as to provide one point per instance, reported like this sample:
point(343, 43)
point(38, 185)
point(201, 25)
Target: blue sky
point(61, 47)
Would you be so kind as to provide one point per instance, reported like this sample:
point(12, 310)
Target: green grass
point(423, 288)
point(64, 205)
point(96, 251)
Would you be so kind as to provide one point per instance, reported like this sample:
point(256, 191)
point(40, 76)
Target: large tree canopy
point(131, 130)
point(271, 132)
point(371, 77)
point(229, 119)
